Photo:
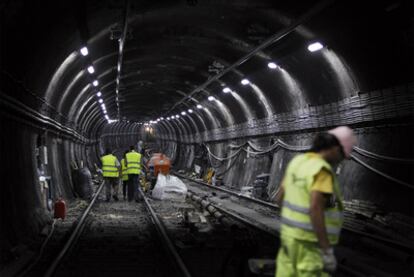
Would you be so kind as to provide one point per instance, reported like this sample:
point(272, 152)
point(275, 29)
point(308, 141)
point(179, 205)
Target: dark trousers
point(133, 183)
point(124, 188)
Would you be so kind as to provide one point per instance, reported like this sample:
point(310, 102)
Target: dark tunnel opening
point(234, 89)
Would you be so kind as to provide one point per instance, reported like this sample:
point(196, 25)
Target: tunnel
point(234, 88)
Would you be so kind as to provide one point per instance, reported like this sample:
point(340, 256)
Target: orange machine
point(160, 163)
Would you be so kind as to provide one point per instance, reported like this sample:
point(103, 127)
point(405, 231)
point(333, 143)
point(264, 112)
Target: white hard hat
point(346, 138)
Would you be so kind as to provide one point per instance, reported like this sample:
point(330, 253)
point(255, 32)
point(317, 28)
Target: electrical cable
point(379, 157)
point(42, 248)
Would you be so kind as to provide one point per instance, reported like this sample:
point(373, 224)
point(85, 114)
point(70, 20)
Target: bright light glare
point(168, 118)
point(99, 94)
point(245, 82)
point(226, 90)
point(84, 51)
point(211, 98)
point(177, 116)
point(100, 101)
point(183, 113)
point(104, 111)
point(315, 46)
point(199, 106)
point(95, 83)
point(103, 106)
point(190, 110)
point(107, 117)
point(91, 69)
point(272, 65)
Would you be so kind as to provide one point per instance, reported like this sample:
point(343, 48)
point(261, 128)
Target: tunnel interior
point(228, 85)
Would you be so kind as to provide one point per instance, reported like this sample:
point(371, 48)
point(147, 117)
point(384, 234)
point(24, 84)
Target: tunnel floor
point(119, 239)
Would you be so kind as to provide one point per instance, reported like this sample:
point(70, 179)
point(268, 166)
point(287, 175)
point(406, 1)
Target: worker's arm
point(317, 216)
point(280, 193)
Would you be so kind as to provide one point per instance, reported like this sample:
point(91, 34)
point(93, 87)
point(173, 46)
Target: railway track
point(121, 239)
point(359, 254)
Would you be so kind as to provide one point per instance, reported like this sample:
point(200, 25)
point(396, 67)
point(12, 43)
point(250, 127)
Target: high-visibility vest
point(295, 214)
point(109, 166)
point(133, 160)
point(124, 170)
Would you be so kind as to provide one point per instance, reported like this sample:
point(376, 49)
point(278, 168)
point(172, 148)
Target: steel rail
point(407, 246)
point(163, 234)
point(258, 201)
point(268, 231)
point(75, 234)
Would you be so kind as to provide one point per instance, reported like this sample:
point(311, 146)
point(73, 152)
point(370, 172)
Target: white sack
point(169, 187)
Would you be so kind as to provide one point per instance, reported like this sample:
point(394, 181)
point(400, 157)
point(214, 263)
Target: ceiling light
point(245, 82)
point(211, 98)
point(226, 90)
point(104, 111)
point(199, 106)
point(168, 118)
point(91, 70)
point(183, 113)
point(177, 116)
point(272, 65)
point(84, 51)
point(99, 94)
point(100, 101)
point(103, 106)
point(107, 117)
point(162, 118)
point(315, 46)
point(190, 110)
point(95, 83)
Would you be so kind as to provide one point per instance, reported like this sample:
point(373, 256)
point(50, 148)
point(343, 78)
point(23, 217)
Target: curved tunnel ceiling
point(172, 47)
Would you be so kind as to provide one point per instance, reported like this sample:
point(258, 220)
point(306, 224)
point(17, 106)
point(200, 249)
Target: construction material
point(169, 187)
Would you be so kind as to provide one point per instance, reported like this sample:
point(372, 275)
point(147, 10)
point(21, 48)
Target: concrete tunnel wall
point(47, 77)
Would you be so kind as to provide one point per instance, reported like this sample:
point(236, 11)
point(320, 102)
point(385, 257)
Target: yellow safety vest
point(124, 170)
point(295, 214)
point(133, 160)
point(109, 167)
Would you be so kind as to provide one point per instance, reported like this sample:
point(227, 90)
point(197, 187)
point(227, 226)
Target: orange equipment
point(161, 163)
point(60, 209)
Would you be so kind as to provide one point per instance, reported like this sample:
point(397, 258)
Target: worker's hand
point(329, 260)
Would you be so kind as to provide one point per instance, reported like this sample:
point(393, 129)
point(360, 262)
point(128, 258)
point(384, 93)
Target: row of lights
point(313, 47)
point(84, 52)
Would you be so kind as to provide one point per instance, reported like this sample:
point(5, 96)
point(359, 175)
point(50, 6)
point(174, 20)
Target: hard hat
point(346, 138)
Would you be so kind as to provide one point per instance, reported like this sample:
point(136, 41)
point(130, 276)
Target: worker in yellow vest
point(133, 164)
point(311, 215)
point(110, 172)
point(124, 176)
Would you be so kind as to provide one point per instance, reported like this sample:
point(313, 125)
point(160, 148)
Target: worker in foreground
point(311, 215)
point(110, 172)
point(124, 177)
point(133, 164)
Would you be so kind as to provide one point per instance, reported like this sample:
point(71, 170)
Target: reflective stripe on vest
point(308, 226)
point(109, 168)
point(299, 209)
point(295, 214)
point(133, 160)
point(124, 170)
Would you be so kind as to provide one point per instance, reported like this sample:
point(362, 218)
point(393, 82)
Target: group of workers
point(128, 171)
point(309, 196)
